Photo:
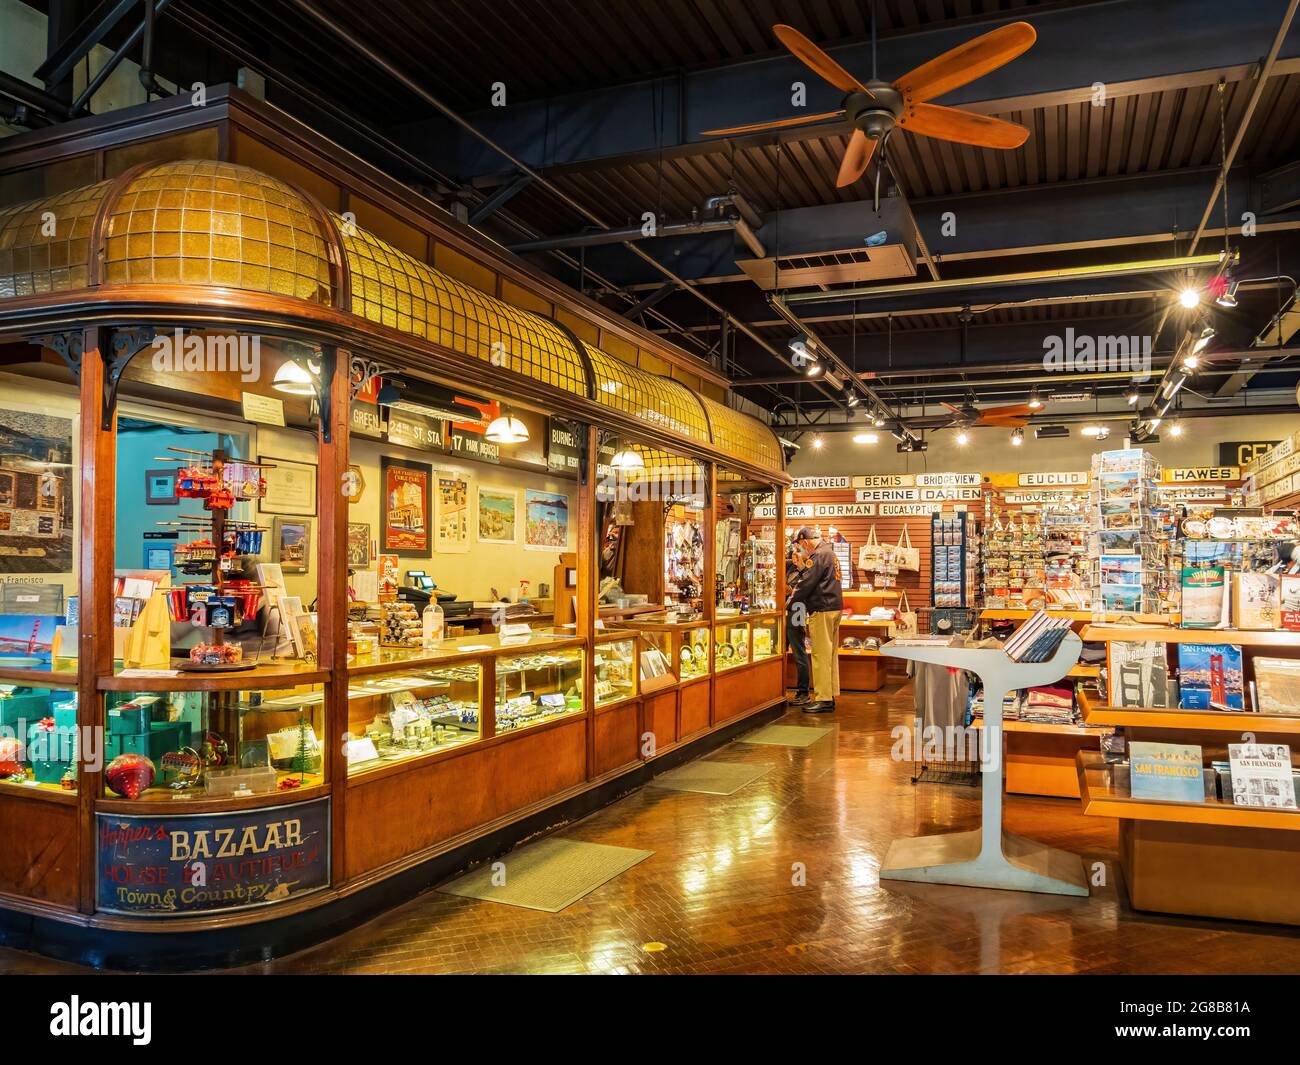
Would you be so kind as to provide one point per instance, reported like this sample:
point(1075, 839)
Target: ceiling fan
point(969, 416)
point(876, 107)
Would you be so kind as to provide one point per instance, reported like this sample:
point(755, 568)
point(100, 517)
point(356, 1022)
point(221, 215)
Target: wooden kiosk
point(234, 218)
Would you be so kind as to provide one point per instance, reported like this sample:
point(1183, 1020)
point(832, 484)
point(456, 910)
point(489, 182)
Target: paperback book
point(1204, 602)
point(1168, 771)
point(1210, 676)
point(1255, 600)
point(1261, 775)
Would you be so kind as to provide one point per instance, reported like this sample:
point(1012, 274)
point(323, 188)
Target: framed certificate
point(290, 487)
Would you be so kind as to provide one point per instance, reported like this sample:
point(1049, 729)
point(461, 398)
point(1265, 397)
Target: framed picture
point(158, 556)
point(290, 487)
point(407, 512)
point(498, 517)
point(160, 488)
point(453, 493)
point(292, 545)
point(546, 520)
point(358, 544)
point(37, 509)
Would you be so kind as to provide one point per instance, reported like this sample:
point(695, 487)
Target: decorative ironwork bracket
point(328, 360)
point(69, 346)
point(124, 345)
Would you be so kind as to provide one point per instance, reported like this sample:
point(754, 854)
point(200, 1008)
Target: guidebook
point(1210, 676)
point(1261, 774)
point(1169, 771)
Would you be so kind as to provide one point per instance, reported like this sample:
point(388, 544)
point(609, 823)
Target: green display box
point(49, 772)
point(30, 707)
point(131, 720)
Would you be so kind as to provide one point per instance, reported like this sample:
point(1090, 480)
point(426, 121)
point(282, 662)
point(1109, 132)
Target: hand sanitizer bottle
point(433, 621)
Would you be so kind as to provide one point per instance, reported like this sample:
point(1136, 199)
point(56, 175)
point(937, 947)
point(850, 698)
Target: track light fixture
point(1035, 401)
point(1017, 437)
point(1190, 297)
point(1133, 395)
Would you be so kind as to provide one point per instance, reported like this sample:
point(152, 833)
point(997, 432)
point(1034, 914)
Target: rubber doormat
point(786, 735)
point(710, 778)
point(547, 875)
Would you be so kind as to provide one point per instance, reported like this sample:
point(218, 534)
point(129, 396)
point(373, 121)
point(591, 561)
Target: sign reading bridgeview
point(160, 865)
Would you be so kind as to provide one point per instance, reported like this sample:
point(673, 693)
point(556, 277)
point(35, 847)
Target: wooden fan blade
point(1004, 423)
point(818, 61)
point(964, 127)
point(951, 407)
point(857, 156)
point(966, 62)
point(1010, 410)
point(777, 123)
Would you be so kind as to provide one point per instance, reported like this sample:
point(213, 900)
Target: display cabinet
point(614, 664)
point(730, 644)
point(38, 736)
point(766, 637)
point(685, 644)
point(212, 744)
point(409, 713)
point(537, 686)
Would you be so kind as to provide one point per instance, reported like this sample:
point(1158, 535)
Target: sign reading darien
point(898, 495)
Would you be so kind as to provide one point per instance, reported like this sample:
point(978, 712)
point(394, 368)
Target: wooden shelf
point(1100, 799)
point(1073, 615)
point(1233, 721)
point(286, 675)
point(1081, 669)
point(1043, 728)
point(1167, 634)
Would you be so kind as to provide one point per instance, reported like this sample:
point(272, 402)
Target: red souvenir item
point(9, 751)
point(129, 774)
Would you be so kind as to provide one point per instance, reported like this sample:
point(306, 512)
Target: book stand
point(989, 856)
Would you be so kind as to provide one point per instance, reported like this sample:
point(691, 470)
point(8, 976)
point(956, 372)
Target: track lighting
point(818, 443)
point(1051, 432)
point(853, 399)
point(1207, 334)
point(1190, 297)
point(1017, 437)
point(1228, 298)
point(963, 437)
point(1035, 401)
point(1175, 428)
point(878, 420)
point(813, 368)
point(1133, 395)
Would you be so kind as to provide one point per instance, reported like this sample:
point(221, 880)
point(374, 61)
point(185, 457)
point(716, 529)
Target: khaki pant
point(824, 628)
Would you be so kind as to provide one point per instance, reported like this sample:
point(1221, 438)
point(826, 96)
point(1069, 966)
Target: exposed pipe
point(30, 95)
point(594, 238)
point(111, 64)
point(1030, 277)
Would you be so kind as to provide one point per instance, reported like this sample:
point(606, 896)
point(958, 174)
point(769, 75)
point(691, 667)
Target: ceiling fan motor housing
point(875, 115)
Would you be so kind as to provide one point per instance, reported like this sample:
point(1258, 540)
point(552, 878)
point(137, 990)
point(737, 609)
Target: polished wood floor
point(718, 894)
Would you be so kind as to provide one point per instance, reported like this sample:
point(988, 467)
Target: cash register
point(420, 588)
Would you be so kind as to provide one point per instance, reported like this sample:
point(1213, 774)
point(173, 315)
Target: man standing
point(796, 629)
point(820, 594)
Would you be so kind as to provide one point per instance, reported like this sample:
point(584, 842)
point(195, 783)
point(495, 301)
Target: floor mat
point(710, 778)
point(786, 735)
point(547, 875)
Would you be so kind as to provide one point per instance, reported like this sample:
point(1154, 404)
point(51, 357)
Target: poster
point(498, 516)
point(405, 519)
point(292, 545)
point(163, 865)
point(36, 515)
point(547, 520)
point(453, 512)
point(358, 544)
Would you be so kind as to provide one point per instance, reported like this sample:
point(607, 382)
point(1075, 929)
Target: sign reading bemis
point(162, 865)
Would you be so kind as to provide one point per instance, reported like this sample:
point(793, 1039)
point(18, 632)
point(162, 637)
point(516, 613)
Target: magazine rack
point(988, 856)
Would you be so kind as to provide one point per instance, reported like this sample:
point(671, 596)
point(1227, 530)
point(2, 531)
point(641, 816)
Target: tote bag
point(871, 556)
point(904, 619)
point(906, 556)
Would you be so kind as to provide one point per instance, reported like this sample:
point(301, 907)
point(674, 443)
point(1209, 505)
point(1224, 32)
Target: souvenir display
point(615, 671)
point(1126, 548)
point(129, 775)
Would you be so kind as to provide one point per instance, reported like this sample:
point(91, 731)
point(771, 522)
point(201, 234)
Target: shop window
point(39, 738)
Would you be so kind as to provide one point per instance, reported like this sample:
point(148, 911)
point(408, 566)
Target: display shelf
point(459, 649)
point(1044, 728)
point(1082, 671)
point(1073, 615)
point(1231, 721)
point(1101, 799)
point(274, 675)
point(65, 677)
point(1165, 634)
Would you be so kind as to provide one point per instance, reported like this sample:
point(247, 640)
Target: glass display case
point(165, 745)
point(537, 686)
point(731, 643)
point(696, 639)
point(685, 644)
point(393, 717)
point(615, 665)
point(38, 736)
point(766, 637)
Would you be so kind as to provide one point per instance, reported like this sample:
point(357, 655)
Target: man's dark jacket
point(819, 585)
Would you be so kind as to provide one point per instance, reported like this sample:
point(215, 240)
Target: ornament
point(215, 750)
point(129, 774)
point(289, 783)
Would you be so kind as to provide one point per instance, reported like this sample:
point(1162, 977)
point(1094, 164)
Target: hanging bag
point(906, 556)
point(904, 619)
point(871, 556)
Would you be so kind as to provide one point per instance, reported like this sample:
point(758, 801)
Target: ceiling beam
point(1149, 45)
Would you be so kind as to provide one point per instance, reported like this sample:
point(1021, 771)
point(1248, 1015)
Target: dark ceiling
point(607, 100)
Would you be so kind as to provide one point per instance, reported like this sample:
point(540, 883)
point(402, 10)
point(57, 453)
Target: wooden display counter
point(1042, 759)
point(1208, 859)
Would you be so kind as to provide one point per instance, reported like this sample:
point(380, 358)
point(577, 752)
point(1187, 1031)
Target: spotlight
point(1190, 297)
point(1017, 437)
point(818, 443)
point(865, 438)
point(878, 420)
point(1228, 298)
point(813, 369)
point(1207, 334)
point(1175, 428)
point(853, 399)
point(963, 437)
point(1034, 402)
point(1096, 432)
point(1133, 395)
